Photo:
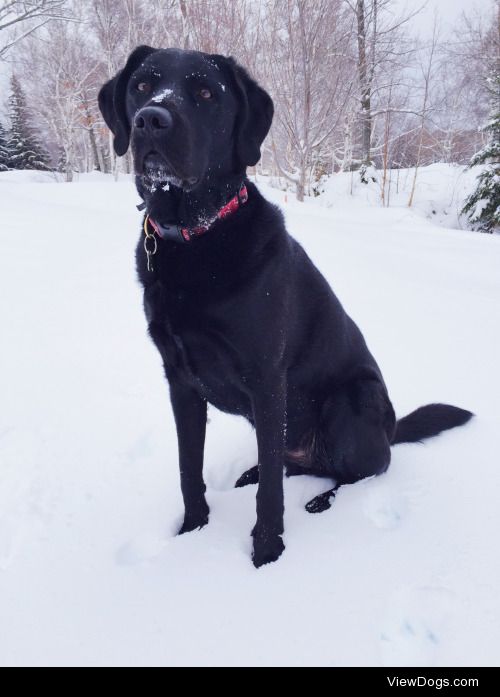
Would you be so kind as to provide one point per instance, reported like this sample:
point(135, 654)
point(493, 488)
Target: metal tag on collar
point(150, 244)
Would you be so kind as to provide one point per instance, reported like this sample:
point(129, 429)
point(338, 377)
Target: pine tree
point(4, 152)
point(24, 149)
point(482, 207)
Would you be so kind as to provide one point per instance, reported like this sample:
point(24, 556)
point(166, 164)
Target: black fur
point(112, 99)
point(428, 421)
point(241, 316)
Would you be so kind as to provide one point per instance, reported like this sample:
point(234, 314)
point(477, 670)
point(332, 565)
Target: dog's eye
point(144, 87)
point(205, 93)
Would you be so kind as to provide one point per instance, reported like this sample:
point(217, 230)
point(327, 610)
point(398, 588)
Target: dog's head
point(186, 114)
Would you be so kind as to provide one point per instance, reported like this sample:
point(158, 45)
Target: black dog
point(239, 313)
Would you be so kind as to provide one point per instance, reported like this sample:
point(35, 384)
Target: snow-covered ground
point(440, 191)
point(402, 570)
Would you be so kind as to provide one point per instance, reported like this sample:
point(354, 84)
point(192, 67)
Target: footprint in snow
point(26, 501)
point(416, 626)
point(383, 505)
point(142, 448)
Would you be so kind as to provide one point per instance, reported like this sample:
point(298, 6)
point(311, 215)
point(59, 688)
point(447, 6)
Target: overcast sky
point(449, 12)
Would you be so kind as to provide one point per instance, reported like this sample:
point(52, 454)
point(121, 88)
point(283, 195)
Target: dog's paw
point(251, 476)
point(266, 548)
point(322, 502)
point(194, 522)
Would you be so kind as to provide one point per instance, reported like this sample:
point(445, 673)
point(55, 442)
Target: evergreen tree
point(482, 207)
point(24, 149)
point(4, 152)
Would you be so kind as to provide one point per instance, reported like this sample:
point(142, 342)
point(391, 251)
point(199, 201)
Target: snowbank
point(440, 192)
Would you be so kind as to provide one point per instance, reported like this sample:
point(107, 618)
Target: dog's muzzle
point(153, 121)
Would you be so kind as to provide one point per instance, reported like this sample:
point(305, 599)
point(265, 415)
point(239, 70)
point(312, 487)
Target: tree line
point(353, 85)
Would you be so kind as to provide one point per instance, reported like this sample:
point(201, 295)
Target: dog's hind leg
point(251, 476)
point(318, 504)
point(353, 439)
point(323, 501)
point(294, 470)
point(356, 428)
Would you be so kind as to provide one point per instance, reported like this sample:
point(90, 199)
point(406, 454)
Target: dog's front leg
point(269, 407)
point(190, 412)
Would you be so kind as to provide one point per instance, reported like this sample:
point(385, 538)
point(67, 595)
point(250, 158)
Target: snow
point(158, 98)
point(480, 206)
point(402, 570)
point(441, 191)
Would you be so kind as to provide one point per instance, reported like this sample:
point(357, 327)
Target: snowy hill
point(402, 570)
point(440, 191)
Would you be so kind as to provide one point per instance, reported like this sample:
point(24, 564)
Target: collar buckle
point(170, 231)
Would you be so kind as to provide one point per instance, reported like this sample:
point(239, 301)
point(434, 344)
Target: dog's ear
point(112, 96)
point(255, 115)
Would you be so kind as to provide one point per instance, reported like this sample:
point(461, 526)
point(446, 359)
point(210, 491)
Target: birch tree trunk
point(364, 84)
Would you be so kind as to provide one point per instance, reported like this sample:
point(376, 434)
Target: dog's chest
point(191, 343)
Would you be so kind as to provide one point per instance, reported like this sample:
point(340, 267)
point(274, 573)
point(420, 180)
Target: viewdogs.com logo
point(437, 683)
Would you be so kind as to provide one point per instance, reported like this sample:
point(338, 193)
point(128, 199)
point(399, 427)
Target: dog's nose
point(153, 118)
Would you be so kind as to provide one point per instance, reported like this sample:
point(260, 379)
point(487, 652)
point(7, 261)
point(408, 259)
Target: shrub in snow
point(368, 173)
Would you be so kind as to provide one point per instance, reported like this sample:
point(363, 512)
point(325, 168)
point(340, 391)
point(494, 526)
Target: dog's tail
point(428, 421)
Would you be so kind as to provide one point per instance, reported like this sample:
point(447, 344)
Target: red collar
point(177, 233)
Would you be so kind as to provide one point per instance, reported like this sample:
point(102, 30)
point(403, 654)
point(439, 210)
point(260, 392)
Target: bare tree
point(465, 68)
point(20, 18)
point(60, 76)
point(382, 49)
point(214, 27)
point(307, 78)
point(426, 70)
